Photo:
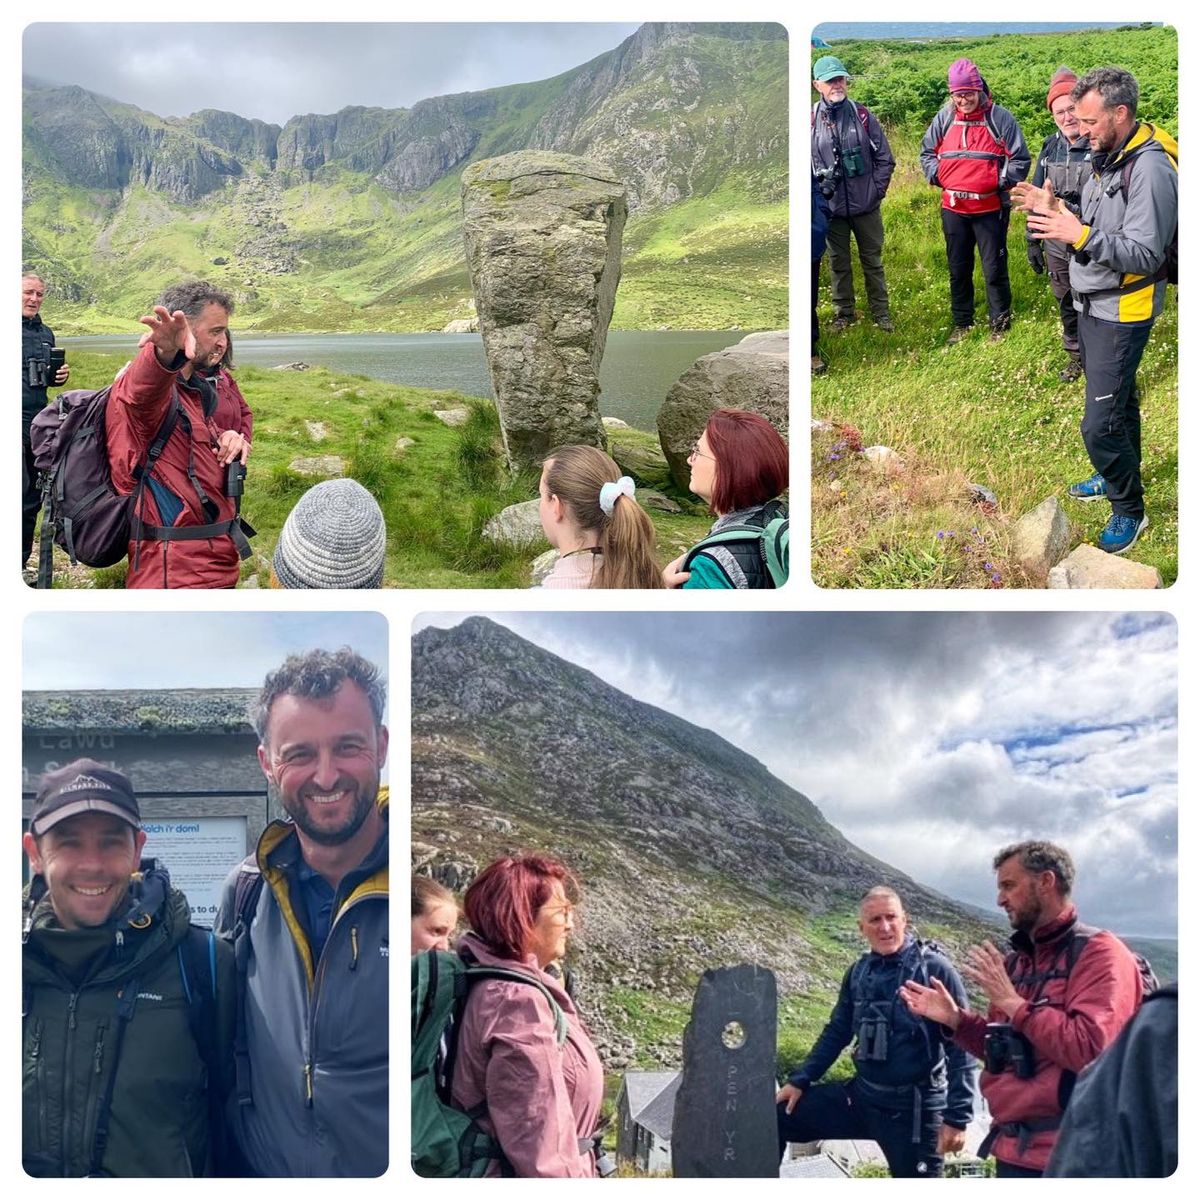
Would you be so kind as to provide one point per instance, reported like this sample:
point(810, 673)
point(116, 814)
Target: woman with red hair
point(739, 464)
point(538, 1093)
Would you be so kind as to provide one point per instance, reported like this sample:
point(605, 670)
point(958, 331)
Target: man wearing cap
point(853, 164)
point(1121, 242)
point(974, 151)
point(308, 917)
point(124, 1065)
point(1065, 162)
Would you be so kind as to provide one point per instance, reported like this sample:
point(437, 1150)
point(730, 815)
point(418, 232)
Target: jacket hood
point(479, 951)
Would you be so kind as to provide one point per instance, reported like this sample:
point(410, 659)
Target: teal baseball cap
point(829, 67)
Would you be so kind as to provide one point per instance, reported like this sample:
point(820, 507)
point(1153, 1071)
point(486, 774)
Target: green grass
point(436, 495)
point(995, 415)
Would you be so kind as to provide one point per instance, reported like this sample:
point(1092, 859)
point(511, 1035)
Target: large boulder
point(516, 525)
point(543, 240)
point(753, 374)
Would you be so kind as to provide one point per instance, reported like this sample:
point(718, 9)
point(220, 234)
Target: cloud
point(933, 739)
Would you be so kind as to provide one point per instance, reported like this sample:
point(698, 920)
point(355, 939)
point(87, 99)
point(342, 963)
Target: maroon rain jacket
point(136, 408)
point(1069, 1024)
point(541, 1098)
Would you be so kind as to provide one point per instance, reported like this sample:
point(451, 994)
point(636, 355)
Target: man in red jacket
point(1056, 1001)
point(187, 533)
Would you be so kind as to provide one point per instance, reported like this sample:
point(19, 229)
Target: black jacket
point(914, 1048)
point(37, 338)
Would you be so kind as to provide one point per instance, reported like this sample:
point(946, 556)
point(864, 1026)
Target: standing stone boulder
point(543, 239)
point(753, 374)
point(1089, 567)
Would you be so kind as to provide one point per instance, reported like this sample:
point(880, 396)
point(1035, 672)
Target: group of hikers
point(1076, 1048)
point(153, 1047)
point(1101, 220)
point(163, 484)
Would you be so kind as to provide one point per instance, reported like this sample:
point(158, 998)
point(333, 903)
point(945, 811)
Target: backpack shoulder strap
point(126, 1003)
point(198, 970)
point(247, 890)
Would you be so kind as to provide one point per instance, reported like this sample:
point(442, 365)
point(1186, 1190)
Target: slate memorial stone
point(724, 1123)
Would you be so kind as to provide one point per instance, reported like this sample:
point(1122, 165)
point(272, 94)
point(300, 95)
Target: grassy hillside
point(698, 130)
point(980, 413)
point(436, 494)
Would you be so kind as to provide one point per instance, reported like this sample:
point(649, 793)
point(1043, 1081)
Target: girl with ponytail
point(589, 515)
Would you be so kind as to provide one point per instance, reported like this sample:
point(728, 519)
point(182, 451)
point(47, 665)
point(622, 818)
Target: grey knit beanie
point(333, 538)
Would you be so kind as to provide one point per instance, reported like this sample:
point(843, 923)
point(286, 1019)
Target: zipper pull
point(98, 1057)
point(353, 947)
point(71, 1010)
point(308, 1090)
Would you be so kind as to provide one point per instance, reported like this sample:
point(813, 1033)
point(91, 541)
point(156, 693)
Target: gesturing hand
point(935, 1002)
point(985, 966)
point(168, 333)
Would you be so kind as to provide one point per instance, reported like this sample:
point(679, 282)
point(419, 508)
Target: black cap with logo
point(79, 787)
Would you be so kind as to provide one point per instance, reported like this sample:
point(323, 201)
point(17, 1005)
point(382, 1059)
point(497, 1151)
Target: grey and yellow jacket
point(73, 984)
point(1124, 242)
point(316, 1103)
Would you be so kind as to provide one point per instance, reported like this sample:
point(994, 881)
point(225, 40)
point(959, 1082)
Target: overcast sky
point(277, 71)
point(931, 740)
point(163, 650)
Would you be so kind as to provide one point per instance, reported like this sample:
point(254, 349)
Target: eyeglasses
point(696, 452)
point(970, 95)
point(567, 911)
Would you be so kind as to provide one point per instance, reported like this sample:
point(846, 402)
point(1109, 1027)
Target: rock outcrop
point(543, 239)
point(752, 374)
point(1040, 539)
point(1090, 567)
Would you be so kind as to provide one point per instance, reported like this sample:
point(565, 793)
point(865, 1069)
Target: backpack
point(1170, 267)
point(771, 540)
point(448, 1143)
point(88, 517)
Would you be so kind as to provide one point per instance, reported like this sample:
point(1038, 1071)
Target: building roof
point(159, 710)
point(659, 1115)
point(642, 1086)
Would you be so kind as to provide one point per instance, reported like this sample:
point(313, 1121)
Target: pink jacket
point(541, 1098)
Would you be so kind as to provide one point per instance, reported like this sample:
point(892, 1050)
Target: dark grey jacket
point(317, 1031)
point(1125, 240)
point(835, 128)
point(1067, 166)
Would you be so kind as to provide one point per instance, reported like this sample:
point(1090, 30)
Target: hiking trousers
point(839, 1110)
point(1112, 416)
point(816, 324)
point(988, 232)
point(867, 229)
point(1058, 267)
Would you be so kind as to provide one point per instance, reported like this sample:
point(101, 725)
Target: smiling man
point(188, 532)
point(118, 1064)
point(308, 917)
point(913, 1091)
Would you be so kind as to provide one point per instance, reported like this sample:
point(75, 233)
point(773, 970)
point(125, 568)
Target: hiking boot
point(1120, 533)
point(1072, 371)
point(841, 324)
point(818, 366)
point(885, 323)
point(957, 334)
point(1089, 489)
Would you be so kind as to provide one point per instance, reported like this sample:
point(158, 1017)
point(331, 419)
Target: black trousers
point(1112, 416)
point(839, 1110)
point(988, 232)
point(31, 495)
point(1058, 267)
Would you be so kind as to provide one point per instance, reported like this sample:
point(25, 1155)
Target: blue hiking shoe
point(1120, 533)
point(1089, 489)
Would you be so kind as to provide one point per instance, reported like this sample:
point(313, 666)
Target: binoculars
point(1004, 1047)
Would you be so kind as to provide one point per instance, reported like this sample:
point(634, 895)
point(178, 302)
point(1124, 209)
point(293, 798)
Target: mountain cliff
point(363, 230)
point(690, 852)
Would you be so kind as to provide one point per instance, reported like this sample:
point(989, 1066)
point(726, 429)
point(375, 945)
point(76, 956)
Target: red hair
point(502, 904)
point(751, 460)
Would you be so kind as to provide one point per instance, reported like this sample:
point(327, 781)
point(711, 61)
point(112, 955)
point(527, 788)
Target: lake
point(638, 370)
